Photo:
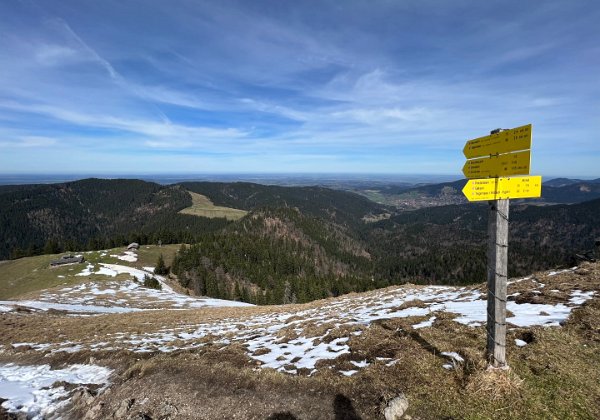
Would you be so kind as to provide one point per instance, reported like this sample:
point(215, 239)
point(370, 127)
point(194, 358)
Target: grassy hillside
point(24, 276)
point(202, 206)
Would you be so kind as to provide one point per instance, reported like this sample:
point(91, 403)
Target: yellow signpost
point(501, 142)
point(501, 165)
point(492, 160)
point(503, 188)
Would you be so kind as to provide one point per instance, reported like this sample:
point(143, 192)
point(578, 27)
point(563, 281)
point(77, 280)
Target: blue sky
point(392, 86)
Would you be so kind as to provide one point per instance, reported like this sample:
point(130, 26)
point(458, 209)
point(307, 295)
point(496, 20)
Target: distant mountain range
point(562, 182)
point(555, 191)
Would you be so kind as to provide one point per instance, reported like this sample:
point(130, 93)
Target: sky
point(342, 86)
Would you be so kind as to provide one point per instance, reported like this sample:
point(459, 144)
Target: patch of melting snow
point(426, 323)
point(28, 390)
point(71, 349)
point(361, 364)
point(530, 314)
point(32, 345)
point(128, 256)
point(67, 307)
point(554, 273)
point(453, 355)
point(578, 297)
point(348, 372)
point(106, 272)
point(87, 271)
point(519, 280)
point(520, 343)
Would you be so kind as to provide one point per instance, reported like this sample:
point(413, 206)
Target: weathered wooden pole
point(497, 274)
point(496, 281)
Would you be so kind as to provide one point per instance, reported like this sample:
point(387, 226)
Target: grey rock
point(396, 408)
point(123, 408)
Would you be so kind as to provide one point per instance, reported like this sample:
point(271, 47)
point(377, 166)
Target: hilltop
point(344, 357)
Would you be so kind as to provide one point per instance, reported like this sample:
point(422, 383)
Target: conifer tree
point(161, 268)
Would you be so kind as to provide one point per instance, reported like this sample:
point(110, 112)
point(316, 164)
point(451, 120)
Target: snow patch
point(426, 323)
point(128, 256)
point(578, 297)
point(453, 355)
point(86, 271)
point(29, 391)
point(520, 343)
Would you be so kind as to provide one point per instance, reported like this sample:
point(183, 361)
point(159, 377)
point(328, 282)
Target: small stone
point(123, 408)
point(94, 412)
point(82, 396)
point(167, 411)
point(396, 408)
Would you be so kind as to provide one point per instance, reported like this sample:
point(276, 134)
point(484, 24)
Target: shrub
point(161, 268)
point(152, 283)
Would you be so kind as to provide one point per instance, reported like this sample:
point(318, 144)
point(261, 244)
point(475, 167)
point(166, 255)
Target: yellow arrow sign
point(503, 188)
point(501, 165)
point(503, 142)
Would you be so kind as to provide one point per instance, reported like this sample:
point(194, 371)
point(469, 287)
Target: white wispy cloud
point(28, 142)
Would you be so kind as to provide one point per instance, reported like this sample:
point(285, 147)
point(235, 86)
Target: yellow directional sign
point(503, 188)
point(503, 142)
point(502, 165)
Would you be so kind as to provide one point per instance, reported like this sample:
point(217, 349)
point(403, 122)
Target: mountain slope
point(345, 357)
point(276, 256)
point(448, 244)
point(77, 212)
point(557, 191)
point(341, 207)
point(561, 182)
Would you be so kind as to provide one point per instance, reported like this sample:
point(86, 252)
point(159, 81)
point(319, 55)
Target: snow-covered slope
point(118, 296)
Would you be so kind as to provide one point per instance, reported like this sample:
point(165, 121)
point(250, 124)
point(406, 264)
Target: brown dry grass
point(495, 384)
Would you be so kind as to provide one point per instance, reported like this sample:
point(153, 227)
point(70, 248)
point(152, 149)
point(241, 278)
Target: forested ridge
point(275, 256)
point(448, 244)
point(94, 214)
point(296, 244)
point(341, 207)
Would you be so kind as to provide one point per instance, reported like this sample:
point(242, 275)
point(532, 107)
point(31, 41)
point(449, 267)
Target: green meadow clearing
point(202, 206)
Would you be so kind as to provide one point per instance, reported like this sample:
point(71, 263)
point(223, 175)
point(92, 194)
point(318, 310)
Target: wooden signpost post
point(492, 162)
